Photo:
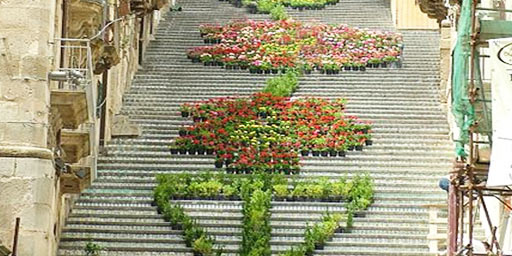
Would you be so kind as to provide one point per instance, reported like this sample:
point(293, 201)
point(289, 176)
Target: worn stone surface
point(123, 127)
point(28, 193)
point(28, 182)
point(445, 59)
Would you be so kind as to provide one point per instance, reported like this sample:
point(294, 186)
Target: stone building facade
point(61, 84)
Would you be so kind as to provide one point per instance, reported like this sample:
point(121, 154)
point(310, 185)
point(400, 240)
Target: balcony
point(71, 105)
point(76, 179)
point(76, 145)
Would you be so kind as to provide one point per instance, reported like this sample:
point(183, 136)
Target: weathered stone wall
point(27, 176)
point(29, 183)
point(120, 76)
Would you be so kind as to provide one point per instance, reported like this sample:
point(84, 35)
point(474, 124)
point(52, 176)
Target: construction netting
point(462, 108)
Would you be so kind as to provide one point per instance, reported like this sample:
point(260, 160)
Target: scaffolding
point(468, 176)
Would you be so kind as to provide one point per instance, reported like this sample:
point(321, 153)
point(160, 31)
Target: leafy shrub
point(283, 85)
point(279, 13)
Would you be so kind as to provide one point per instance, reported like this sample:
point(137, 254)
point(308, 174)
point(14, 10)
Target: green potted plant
point(203, 246)
point(281, 191)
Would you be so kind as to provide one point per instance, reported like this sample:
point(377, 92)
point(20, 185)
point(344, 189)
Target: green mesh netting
point(462, 109)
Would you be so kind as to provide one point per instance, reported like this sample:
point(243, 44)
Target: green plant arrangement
point(315, 236)
point(194, 235)
point(256, 191)
point(93, 249)
point(283, 85)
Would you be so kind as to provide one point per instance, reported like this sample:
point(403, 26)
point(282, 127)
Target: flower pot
point(324, 153)
point(362, 68)
point(304, 152)
point(275, 71)
point(307, 71)
point(259, 71)
point(184, 114)
point(359, 214)
point(209, 151)
point(267, 71)
point(351, 148)
point(182, 151)
point(319, 246)
point(192, 151)
point(347, 68)
point(359, 147)
point(230, 170)
point(355, 68)
point(333, 153)
point(176, 226)
point(315, 153)
point(182, 133)
point(253, 71)
point(262, 114)
point(384, 64)
point(174, 151)
point(200, 151)
point(368, 142)
point(196, 118)
point(341, 153)
point(336, 72)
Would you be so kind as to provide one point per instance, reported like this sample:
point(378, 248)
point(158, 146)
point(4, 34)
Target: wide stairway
point(411, 148)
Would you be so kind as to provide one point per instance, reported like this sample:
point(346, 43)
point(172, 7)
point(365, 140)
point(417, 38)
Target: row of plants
point(257, 191)
point(220, 186)
point(316, 235)
point(194, 235)
point(256, 230)
point(273, 46)
point(265, 6)
point(267, 133)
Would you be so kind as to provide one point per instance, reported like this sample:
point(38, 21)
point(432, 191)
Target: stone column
point(445, 58)
point(27, 176)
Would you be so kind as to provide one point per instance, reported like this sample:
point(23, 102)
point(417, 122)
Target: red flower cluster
point(267, 133)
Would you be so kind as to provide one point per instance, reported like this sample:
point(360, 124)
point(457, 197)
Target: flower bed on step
point(268, 133)
point(273, 46)
point(262, 6)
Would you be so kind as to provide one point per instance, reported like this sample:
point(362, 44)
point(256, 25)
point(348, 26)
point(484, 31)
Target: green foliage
point(316, 235)
point(266, 6)
point(281, 190)
point(279, 13)
point(256, 222)
point(283, 85)
point(92, 249)
point(361, 193)
point(256, 192)
point(204, 245)
point(194, 235)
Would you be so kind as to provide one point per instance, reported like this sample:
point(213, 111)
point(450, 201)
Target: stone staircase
point(411, 148)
